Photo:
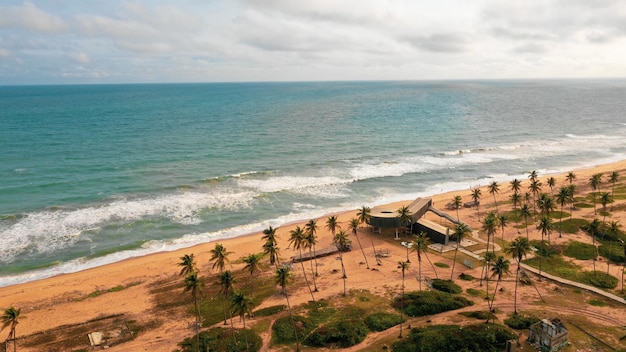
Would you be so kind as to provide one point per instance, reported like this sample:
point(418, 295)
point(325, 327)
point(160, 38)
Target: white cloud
point(80, 58)
point(30, 17)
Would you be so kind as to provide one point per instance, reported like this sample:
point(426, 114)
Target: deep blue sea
point(95, 174)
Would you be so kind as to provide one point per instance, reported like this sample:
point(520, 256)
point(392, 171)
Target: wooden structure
point(549, 334)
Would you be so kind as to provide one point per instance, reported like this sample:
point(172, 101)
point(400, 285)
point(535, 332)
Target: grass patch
point(382, 321)
point(466, 277)
point(223, 339)
point(572, 225)
point(441, 265)
point(579, 250)
point(559, 267)
point(520, 321)
point(421, 303)
point(266, 312)
point(453, 338)
point(597, 303)
point(583, 205)
point(613, 251)
point(476, 314)
point(474, 292)
point(445, 286)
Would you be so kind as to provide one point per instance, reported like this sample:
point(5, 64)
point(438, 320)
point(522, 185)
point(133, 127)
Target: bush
point(445, 286)
point(571, 225)
point(265, 312)
point(520, 321)
point(220, 339)
point(466, 277)
point(421, 303)
point(453, 338)
point(597, 303)
point(382, 321)
point(442, 265)
point(477, 314)
point(545, 250)
point(612, 251)
point(474, 292)
point(598, 279)
point(579, 250)
point(342, 334)
point(283, 330)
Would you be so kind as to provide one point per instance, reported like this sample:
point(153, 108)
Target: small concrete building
point(549, 334)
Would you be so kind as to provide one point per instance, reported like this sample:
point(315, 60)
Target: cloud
point(30, 17)
point(440, 43)
point(80, 58)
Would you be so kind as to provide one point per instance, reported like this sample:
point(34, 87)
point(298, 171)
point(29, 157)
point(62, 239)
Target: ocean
point(95, 174)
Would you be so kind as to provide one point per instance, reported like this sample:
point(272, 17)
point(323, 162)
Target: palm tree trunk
point(492, 300)
point(402, 308)
point(454, 261)
point(374, 249)
point(197, 322)
point(419, 271)
point(224, 308)
point(305, 278)
point(367, 264)
point(515, 295)
point(526, 222)
point(295, 331)
point(315, 259)
point(313, 273)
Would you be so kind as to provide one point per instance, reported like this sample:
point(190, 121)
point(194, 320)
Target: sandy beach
point(64, 299)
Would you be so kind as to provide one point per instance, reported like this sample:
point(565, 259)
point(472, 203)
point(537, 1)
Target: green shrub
point(597, 303)
point(445, 286)
point(466, 277)
point(598, 279)
point(613, 251)
point(421, 303)
point(520, 321)
point(545, 250)
point(474, 292)
point(442, 265)
point(579, 250)
point(477, 314)
point(571, 225)
point(382, 321)
point(220, 339)
point(342, 334)
point(453, 338)
point(283, 330)
point(265, 312)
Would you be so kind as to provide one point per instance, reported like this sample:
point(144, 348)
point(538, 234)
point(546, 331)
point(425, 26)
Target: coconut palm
point(516, 185)
point(404, 217)
point(219, 257)
point(298, 240)
point(253, 265)
point(613, 178)
point(519, 248)
point(525, 212)
point(354, 225)
point(476, 193)
point(419, 245)
point(593, 228)
point(502, 221)
point(311, 230)
point(516, 199)
point(500, 268)
point(364, 214)
point(188, 265)
point(534, 188)
point(270, 247)
point(226, 280)
point(332, 224)
point(488, 259)
point(493, 189)
point(545, 204)
point(595, 182)
point(460, 231)
point(457, 202)
point(192, 284)
point(340, 239)
point(403, 266)
point(605, 199)
point(309, 242)
point(10, 319)
point(282, 277)
point(241, 305)
point(545, 227)
point(532, 175)
point(570, 177)
point(490, 224)
point(551, 182)
point(562, 198)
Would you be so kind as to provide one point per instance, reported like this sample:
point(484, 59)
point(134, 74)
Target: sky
point(119, 41)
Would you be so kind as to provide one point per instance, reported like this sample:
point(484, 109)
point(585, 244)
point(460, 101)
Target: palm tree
point(340, 239)
point(332, 224)
point(516, 199)
point(570, 177)
point(309, 242)
point(311, 229)
point(551, 182)
point(403, 266)
point(545, 226)
point(192, 284)
point(364, 214)
point(534, 188)
point(354, 225)
point(460, 231)
point(503, 223)
point(404, 216)
point(595, 182)
point(488, 258)
point(10, 319)
point(297, 239)
point(457, 202)
point(593, 229)
point(241, 304)
point(545, 204)
point(532, 175)
point(419, 245)
point(571, 189)
point(525, 211)
point(188, 265)
point(516, 185)
point(490, 223)
point(613, 178)
point(562, 198)
point(219, 257)
point(476, 198)
point(226, 280)
point(519, 248)
point(270, 247)
point(493, 189)
point(253, 265)
point(605, 198)
point(500, 268)
point(282, 277)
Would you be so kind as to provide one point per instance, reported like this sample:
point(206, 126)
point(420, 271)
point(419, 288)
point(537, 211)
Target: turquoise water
point(96, 174)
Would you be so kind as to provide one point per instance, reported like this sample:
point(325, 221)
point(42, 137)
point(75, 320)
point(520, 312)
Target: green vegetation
point(579, 250)
point(474, 292)
point(441, 265)
point(583, 205)
point(559, 267)
point(597, 303)
point(476, 314)
point(344, 333)
point(466, 277)
point(265, 312)
point(612, 251)
point(572, 225)
point(453, 338)
point(220, 339)
point(545, 250)
point(421, 303)
point(283, 330)
point(382, 321)
point(445, 286)
point(520, 321)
